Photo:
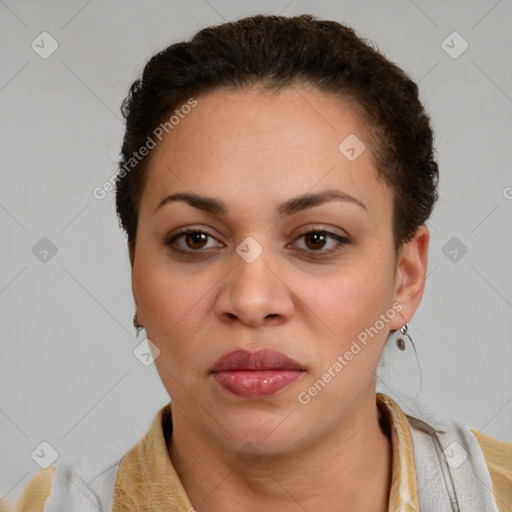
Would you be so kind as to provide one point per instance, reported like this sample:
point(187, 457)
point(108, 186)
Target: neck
point(349, 469)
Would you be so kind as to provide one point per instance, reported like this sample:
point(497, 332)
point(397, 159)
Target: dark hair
point(277, 52)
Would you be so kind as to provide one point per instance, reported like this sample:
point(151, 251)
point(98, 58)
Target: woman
point(276, 177)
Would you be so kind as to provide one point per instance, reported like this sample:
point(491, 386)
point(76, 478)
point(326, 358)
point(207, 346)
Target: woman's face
point(253, 280)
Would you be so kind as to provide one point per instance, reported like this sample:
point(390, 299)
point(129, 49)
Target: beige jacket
point(147, 480)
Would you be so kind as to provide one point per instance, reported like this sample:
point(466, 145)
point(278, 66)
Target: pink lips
point(255, 375)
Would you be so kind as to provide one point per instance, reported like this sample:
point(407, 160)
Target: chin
point(258, 430)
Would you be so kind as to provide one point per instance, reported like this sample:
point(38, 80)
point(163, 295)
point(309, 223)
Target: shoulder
point(86, 483)
point(498, 456)
point(36, 492)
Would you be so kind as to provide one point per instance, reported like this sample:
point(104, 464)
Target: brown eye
point(316, 240)
point(191, 240)
point(195, 239)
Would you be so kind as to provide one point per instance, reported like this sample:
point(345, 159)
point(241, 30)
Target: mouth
point(255, 375)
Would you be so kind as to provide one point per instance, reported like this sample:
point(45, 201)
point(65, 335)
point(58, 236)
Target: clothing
point(476, 471)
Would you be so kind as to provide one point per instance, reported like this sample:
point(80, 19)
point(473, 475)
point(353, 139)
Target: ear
point(133, 287)
point(410, 276)
point(131, 253)
point(133, 293)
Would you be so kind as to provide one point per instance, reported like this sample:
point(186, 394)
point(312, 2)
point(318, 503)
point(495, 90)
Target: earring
point(145, 351)
point(136, 324)
point(399, 368)
point(400, 343)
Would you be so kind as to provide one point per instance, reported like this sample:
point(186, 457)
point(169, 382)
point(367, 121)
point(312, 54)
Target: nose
point(254, 293)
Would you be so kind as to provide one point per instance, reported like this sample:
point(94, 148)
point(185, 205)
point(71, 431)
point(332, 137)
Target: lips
point(255, 375)
point(266, 359)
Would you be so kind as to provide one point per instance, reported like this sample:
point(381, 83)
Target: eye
point(193, 239)
point(315, 241)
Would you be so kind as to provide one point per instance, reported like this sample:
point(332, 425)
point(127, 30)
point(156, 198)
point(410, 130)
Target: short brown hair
point(279, 52)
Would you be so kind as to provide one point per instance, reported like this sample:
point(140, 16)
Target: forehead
point(266, 146)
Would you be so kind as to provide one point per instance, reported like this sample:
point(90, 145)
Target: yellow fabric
point(403, 494)
point(147, 481)
point(35, 493)
point(498, 456)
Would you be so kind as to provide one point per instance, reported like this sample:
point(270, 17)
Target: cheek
point(347, 355)
point(171, 308)
point(351, 299)
point(171, 303)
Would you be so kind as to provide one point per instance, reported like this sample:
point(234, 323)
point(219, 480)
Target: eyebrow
point(290, 207)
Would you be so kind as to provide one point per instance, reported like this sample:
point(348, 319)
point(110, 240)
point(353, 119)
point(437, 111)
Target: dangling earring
point(399, 367)
point(400, 343)
point(136, 324)
point(145, 351)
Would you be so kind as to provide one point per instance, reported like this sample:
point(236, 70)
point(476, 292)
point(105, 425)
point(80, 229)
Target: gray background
point(68, 375)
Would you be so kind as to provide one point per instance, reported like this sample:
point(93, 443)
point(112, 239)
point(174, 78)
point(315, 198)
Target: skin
point(253, 150)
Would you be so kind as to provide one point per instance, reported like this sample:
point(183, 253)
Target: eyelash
point(341, 241)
